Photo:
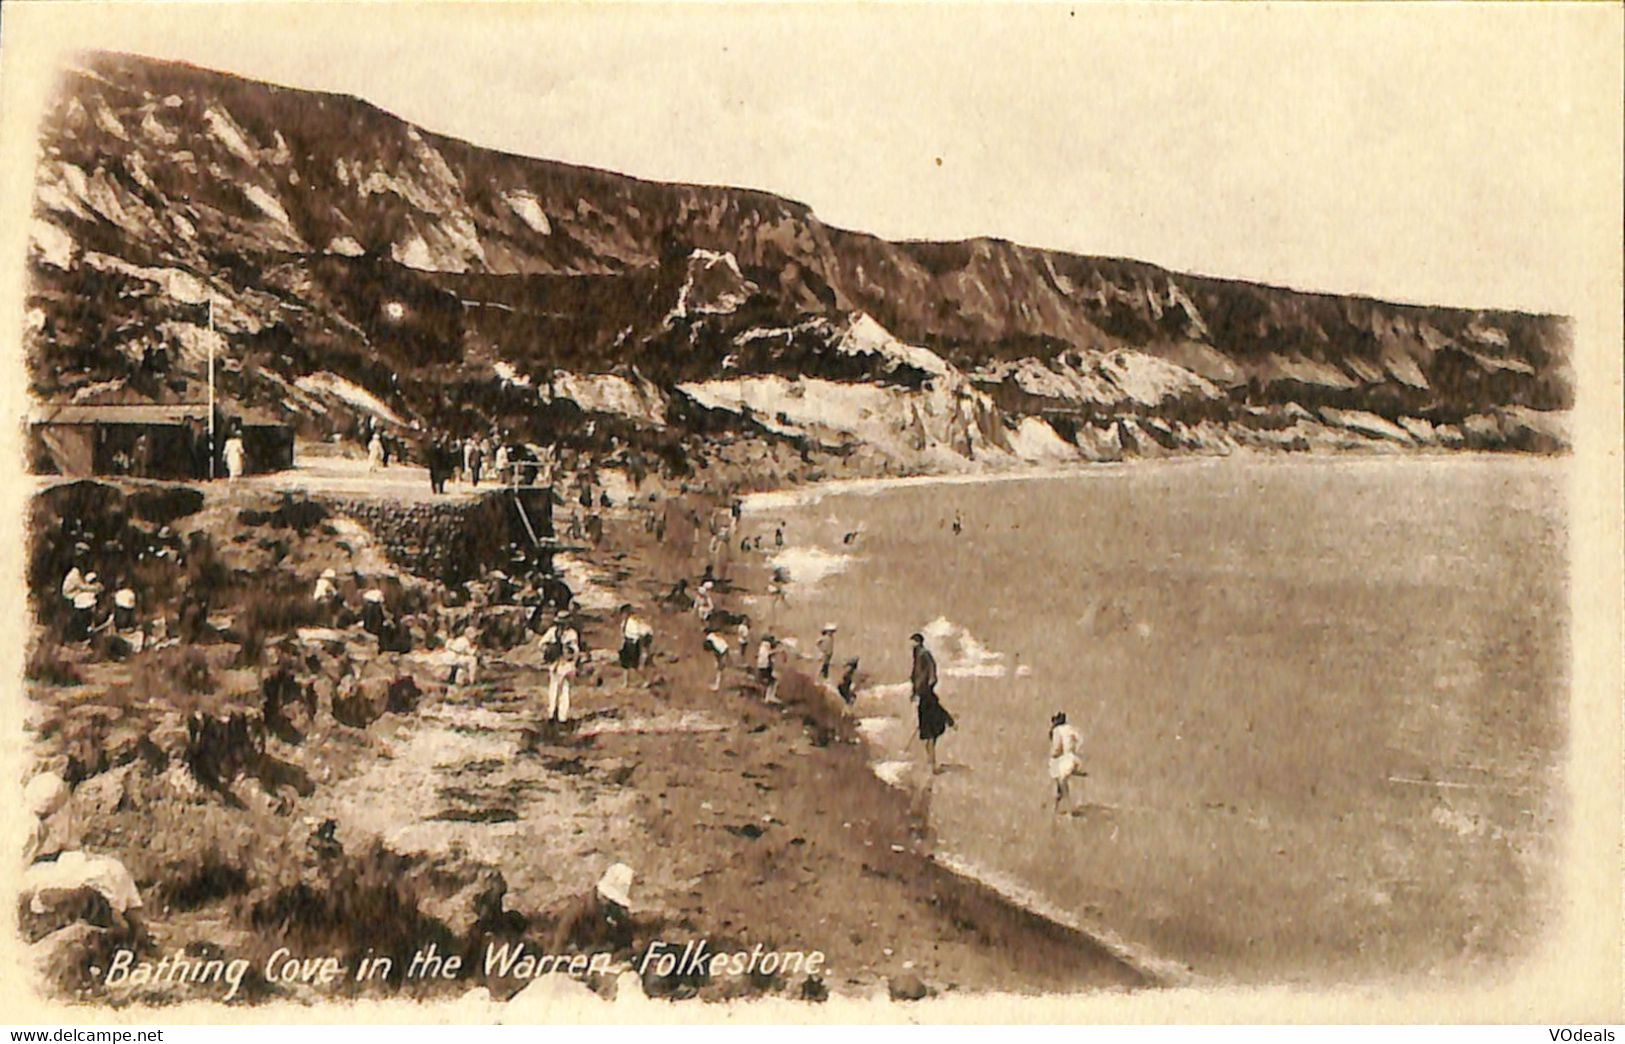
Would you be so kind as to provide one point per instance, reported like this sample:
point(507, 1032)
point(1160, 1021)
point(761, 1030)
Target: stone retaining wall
point(451, 541)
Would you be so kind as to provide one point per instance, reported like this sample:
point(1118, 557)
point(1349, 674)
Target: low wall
point(450, 541)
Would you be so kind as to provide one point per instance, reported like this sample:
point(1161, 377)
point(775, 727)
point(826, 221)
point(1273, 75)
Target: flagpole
point(211, 387)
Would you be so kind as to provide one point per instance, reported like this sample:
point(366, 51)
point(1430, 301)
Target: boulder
point(906, 987)
point(44, 794)
point(57, 891)
point(71, 958)
point(103, 794)
point(477, 903)
point(49, 911)
point(538, 1000)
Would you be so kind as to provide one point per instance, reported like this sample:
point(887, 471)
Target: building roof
point(140, 413)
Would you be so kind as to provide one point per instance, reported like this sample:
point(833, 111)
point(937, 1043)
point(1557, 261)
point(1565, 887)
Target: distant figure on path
point(326, 593)
point(717, 646)
point(375, 453)
point(848, 680)
point(934, 718)
point(1064, 761)
point(764, 668)
point(236, 457)
point(826, 650)
point(464, 652)
point(636, 638)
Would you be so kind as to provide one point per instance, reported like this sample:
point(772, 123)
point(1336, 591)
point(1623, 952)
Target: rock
point(57, 833)
point(74, 956)
point(476, 903)
point(45, 793)
point(539, 998)
point(56, 887)
point(50, 911)
point(477, 1005)
point(628, 986)
point(906, 987)
point(103, 794)
point(403, 695)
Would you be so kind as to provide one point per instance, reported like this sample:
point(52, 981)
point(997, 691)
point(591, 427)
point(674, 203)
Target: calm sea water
point(1323, 701)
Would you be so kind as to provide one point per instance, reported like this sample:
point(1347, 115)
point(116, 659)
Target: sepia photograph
point(531, 511)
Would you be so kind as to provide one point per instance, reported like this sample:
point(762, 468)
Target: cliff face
point(357, 261)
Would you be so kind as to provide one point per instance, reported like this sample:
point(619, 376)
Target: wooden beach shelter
point(148, 440)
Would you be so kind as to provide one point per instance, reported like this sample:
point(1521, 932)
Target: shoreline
point(813, 492)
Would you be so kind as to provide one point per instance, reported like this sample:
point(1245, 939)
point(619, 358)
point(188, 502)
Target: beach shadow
point(1088, 809)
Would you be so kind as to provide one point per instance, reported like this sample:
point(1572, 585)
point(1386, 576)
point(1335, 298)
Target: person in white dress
point(1064, 760)
point(561, 649)
point(375, 453)
point(236, 458)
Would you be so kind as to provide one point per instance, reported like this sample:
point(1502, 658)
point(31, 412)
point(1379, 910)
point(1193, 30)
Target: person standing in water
point(934, 718)
point(1064, 760)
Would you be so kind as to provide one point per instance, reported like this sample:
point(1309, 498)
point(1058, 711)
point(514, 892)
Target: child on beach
point(764, 668)
point(1064, 761)
point(636, 638)
point(717, 646)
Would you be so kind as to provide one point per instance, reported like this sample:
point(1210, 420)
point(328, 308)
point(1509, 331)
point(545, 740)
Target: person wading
point(934, 718)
